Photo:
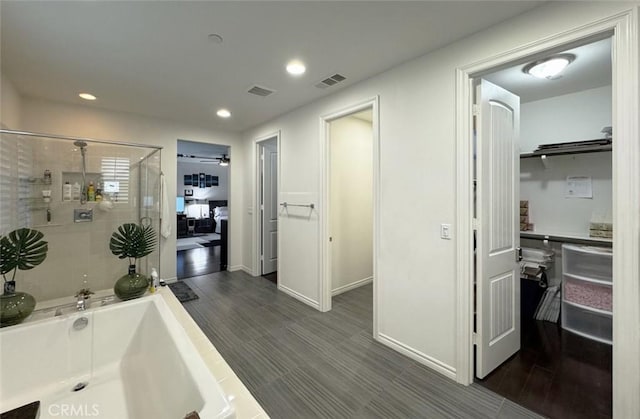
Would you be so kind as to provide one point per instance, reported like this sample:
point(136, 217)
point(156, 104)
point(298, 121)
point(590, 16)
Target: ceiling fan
point(224, 160)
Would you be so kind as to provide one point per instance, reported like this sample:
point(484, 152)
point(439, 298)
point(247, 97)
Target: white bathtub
point(136, 358)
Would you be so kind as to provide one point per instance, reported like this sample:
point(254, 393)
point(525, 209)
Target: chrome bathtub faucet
point(82, 296)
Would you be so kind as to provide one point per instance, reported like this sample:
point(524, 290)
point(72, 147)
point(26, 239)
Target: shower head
point(80, 143)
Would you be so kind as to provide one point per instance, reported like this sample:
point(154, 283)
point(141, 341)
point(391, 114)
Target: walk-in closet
point(563, 367)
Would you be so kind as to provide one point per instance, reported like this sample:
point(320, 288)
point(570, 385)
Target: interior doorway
point(268, 207)
point(350, 203)
point(544, 313)
point(202, 213)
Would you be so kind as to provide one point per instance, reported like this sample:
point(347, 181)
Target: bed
point(219, 211)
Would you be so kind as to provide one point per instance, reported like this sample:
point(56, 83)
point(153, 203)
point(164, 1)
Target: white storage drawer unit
point(589, 262)
point(587, 291)
point(593, 294)
point(588, 323)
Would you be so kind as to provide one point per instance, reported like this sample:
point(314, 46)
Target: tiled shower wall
point(79, 254)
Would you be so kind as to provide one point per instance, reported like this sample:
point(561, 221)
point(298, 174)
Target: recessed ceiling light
point(87, 96)
point(550, 67)
point(296, 67)
point(223, 113)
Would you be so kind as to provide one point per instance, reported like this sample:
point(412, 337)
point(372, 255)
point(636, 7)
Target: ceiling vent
point(260, 91)
point(330, 81)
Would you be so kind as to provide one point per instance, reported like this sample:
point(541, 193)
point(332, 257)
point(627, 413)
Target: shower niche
point(44, 182)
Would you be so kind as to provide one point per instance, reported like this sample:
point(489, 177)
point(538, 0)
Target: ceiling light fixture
point(223, 113)
point(296, 68)
point(87, 96)
point(550, 67)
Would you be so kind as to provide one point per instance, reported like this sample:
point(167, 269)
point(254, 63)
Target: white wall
point(550, 210)
point(416, 269)
point(351, 203)
point(573, 117)
point(86, 121)
point(10, 102)
point(214, 192)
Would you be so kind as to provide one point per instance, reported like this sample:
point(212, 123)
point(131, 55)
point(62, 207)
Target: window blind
point(116, 169)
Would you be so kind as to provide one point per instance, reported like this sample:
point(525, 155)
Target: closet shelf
point(569, 149)
point(567, 238)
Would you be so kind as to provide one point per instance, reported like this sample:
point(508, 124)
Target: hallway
point(301, 363)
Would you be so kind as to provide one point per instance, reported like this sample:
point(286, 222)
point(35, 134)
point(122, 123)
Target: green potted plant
point(22, 249)
point(132, 241)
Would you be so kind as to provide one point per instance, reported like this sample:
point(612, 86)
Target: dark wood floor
point(300, 363)
point(199, 261)
point(273, 277)
point(557, 373)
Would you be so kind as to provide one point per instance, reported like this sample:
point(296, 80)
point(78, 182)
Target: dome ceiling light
point(550, 67)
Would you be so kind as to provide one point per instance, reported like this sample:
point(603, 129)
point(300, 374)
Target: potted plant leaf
point(22, 249)
point(132, 241)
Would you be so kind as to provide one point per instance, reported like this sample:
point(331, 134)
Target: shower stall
point(77, 191)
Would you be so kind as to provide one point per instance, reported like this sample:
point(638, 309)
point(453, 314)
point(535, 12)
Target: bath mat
point(183, 292)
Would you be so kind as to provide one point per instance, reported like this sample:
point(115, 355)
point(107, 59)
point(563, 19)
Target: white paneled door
point(498, 235)
point(269, 206)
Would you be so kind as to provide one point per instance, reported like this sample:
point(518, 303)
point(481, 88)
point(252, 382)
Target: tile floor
point(300, 363)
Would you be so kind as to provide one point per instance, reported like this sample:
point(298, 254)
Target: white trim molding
point(444, 369)
point(255, 235)
point(356, 284)
point(295, 294)
point(242, 268)
point(171, 280)
point(623, 28)
point(323, 233)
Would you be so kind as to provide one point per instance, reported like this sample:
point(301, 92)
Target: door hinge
point(261, 257)
point(330, 239)
point(474, 338)
point(475, 223)
point(474, 110)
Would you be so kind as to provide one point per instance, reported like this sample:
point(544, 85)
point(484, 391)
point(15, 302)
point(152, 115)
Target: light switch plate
point(445, 231)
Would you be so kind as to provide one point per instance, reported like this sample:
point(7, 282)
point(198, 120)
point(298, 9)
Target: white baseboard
point(240, 268)
point(299, 296)
point(171, 280)
point(352, 286)
point(444, 369)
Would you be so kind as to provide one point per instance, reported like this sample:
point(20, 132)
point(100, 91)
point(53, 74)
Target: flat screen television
point(179, 204)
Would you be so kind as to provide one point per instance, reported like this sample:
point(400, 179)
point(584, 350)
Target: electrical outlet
point(445, 231)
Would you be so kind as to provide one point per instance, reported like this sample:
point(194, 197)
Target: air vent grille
point(330, 81)
point(260, 91)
